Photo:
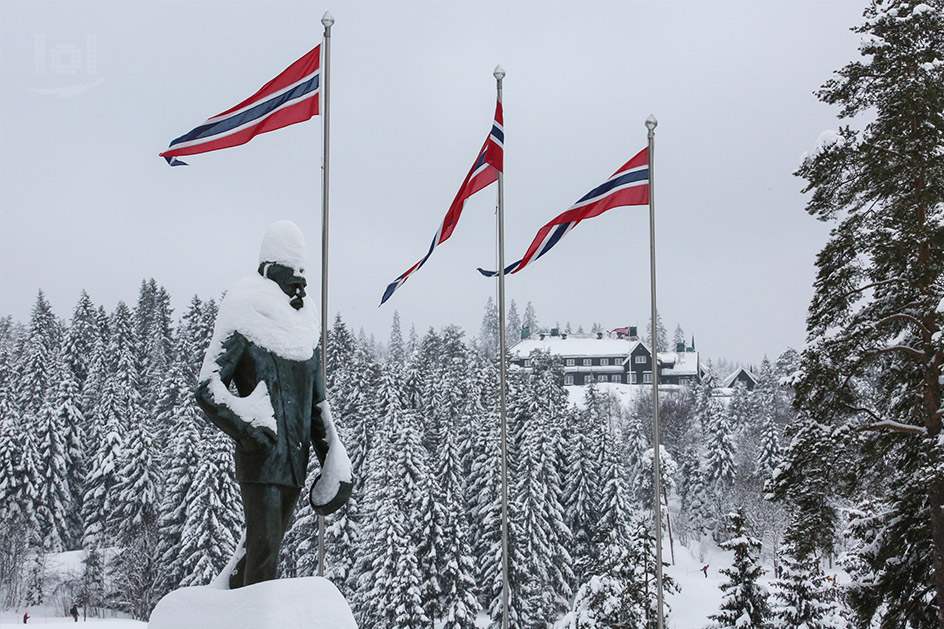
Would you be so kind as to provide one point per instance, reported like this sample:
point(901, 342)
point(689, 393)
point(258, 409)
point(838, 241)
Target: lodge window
point(640, 360)
point(604, 361)
point(587, 362)
point(647, 377)
point(570, 362)
point(635, 378)
point(614, 378)
point(568, 379)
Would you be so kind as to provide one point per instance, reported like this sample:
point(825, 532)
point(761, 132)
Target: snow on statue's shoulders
point(258, 309)
point(306, 602)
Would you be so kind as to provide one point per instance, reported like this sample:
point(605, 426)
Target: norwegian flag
point(628, 186)
point(484, 172)
point(289, 98)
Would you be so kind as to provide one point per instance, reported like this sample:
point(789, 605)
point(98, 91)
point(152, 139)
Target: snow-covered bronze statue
point(264, 347)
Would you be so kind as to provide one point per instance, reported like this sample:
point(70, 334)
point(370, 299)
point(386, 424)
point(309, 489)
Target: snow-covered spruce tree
point(55, 501)
point(396, 350)
point(698, 503)
point(488, 333)
point(183, 457)
point(803, 597)
point(389, 575)
point(621, 592)
point(720, 464)
point(80, 339)
point(541, 573)
point(512, 324)
point(876, 306)
point(745, 602)
point(213, 521)
point(530, 319)
point(155, 342)
point(583, 476)
point(118, 403)
point(455, 580)
point(67, 400)
point(36, 579)
point(37, 361)
point(482, 459)
point(804, 483)
point(662, 335)
point(351, 381)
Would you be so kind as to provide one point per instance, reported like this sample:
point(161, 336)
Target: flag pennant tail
point(289, 98)
point(484, 172)
point(628, 186)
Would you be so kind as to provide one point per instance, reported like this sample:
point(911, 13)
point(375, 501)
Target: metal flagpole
point(651, 123)
point(327, 20)
point(499, 74)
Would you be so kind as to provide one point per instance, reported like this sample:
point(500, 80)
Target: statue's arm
point(216, 380)
point(320, 413)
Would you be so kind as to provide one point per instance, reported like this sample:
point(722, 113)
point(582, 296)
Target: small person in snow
point(26, 617)
point(74, 612)
point(705, 570)
point(264, 343)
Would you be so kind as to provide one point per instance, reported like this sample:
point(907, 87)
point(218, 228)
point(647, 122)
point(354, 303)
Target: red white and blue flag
point(289, 98)
point(628, 186)
point(484, 172)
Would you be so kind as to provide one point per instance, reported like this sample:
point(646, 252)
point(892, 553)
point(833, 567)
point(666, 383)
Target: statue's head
point(282, 260)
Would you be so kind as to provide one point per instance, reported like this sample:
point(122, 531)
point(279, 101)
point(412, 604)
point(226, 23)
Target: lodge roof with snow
point(740, 376)
point(603, 357)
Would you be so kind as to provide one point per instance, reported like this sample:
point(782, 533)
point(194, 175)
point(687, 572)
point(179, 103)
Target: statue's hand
point(258, 438)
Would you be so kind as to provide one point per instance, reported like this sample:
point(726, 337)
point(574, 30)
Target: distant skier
point(74, 612)
point(705, 570)
point(25, 617)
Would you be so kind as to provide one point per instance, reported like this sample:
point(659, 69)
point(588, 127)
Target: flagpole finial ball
point(327, 19)
point(651, 122)
point(499, 73)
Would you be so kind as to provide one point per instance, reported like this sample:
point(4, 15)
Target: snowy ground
point(45, 616)
point(700, 597)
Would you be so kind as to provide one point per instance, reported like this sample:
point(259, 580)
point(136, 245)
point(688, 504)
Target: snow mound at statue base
point(310, 602)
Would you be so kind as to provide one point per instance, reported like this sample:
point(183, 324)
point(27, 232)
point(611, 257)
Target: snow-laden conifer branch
point(905, 349)
point(889, 424)
point(859, 289)
point(905, 317)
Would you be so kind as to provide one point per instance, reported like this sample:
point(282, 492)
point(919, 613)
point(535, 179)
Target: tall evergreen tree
point(55, 499)
point(875, 320)
point(530, 319)
point(181, 462)
point(512, 324)
point(396, 351)
point(720, 463)
point(38, 359)
point(662, 335)
point(81, 338)
point(803, 597)
point(488, 333)
point(583, 477)
point(388, 589)
point(745, 601)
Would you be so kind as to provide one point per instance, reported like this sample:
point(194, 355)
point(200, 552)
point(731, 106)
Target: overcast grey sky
point(91, 92)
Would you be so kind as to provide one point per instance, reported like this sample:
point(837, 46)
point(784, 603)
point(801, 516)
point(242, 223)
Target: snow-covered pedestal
point(310, 602)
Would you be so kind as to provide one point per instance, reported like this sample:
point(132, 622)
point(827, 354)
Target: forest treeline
point(103, 450)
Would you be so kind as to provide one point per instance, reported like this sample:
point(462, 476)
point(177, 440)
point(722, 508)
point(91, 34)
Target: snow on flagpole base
point(306, 602)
